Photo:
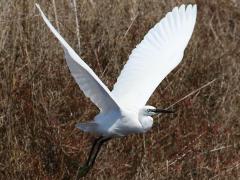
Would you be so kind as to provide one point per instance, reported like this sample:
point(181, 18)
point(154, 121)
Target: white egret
point(123, 110)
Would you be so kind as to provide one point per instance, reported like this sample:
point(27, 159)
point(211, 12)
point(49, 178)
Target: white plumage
point(87, 80)
point(123, 110)
point(157, 55)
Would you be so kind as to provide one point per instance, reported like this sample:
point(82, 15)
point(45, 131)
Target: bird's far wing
point(158, 54)
point(87, 80)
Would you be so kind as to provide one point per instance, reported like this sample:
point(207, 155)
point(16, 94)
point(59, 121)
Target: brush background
point(40, 103)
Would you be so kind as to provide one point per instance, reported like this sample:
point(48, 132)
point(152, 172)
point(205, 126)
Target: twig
point(180, 157)
point(55, 14)
point(129, 27)
point(220, 148)
point(93, 3)
point(77, 26)
point(193, 92)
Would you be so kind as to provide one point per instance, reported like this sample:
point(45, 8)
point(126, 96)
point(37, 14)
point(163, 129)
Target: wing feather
point(87, 80)
point(156, 56)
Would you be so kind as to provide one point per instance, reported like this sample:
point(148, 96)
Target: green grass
point(40, 103)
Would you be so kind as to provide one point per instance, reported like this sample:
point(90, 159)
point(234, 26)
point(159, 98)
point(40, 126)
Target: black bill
point(161, 111)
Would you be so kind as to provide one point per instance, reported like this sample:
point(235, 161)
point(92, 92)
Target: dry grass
point(40, 102)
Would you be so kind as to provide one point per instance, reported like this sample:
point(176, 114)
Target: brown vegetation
point(40, 103)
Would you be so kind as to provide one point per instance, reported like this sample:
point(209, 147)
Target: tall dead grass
point(40, 102)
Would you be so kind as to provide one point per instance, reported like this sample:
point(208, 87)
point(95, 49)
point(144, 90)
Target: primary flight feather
point(87, 80)
point(157, 55)
point(124, 111)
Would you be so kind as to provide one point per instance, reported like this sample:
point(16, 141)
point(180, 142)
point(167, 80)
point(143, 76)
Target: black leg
point(83, 170)
point(93, 147)
point(92, 157)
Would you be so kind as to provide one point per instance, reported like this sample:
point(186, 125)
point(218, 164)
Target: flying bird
point(123, 110)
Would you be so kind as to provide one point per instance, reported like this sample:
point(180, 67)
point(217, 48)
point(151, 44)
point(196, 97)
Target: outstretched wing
point(87, 80)
point(157, 55)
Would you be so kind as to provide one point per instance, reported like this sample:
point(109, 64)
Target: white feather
point(87, 80)
point(155, 57)
point(122, 110)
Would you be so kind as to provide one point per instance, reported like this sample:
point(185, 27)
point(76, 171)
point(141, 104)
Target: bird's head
point(145, 116)
point(151, 111)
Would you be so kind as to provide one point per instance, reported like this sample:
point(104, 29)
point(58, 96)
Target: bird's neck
point(146, 122)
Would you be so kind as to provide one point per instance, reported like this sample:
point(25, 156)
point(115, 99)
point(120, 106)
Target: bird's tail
point(87, 126)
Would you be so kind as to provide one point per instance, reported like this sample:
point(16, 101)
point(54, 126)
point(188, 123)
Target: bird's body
point(123, 110)
point(120, 123)
point(117, 123)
